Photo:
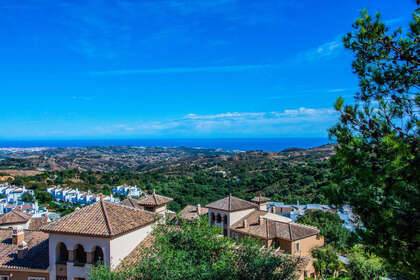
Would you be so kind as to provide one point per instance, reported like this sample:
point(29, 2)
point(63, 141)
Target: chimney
point(198, 209)
point(273, 209)
point(154, 191)
point(102, 197)
point(245, 224)
point(17, 236)
point(22, 250)
point(260, 220)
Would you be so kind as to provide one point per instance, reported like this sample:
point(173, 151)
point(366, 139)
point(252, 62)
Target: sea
point(230, 144)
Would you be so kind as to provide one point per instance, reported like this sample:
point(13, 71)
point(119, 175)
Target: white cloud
point(327, 50)
point(290, 122)
point(174, 70)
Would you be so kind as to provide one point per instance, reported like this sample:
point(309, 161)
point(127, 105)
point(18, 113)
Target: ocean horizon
point(231, 144)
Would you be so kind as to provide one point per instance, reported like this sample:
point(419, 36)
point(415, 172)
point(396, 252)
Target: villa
point(239, 218)
point(102, 232)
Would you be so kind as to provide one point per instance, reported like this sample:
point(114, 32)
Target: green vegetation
point(327, 264)
point(16, 163)
point(43, 197)
point(377, 163)
point(282, 180)
point(331, 227)
point(27, 197)
point(364, 266)
point(195, 251)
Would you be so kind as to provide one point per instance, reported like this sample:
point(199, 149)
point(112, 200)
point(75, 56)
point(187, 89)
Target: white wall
point(123, 245)
point(232, 217)
point(237, 215)
point(23, 225)
point(71, 241)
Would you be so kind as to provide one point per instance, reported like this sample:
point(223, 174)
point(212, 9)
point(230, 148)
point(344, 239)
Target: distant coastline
point(230, 144)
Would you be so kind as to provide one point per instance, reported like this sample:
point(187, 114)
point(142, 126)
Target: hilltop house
point(103, 232)
point(239, 218)
point(150, 202)
point(19, 219)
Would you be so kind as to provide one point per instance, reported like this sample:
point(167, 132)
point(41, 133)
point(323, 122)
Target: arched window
point(212, 218)
point(218, 218)
point(98, 256)
point(61, 253)
point(79, 254)
point(225, 220)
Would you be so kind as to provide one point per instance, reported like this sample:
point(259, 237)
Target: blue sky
point(177, 69)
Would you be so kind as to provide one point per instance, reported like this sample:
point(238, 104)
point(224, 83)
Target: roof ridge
point(230, 202)
point(304, 225)
point(19, 214)
point(154, 197)
point(290, 232)
point(108, 225)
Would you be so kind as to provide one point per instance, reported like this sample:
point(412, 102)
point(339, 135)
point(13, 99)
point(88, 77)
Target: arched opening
point(212, 218)
point(218, 218)
point(61, 253)
point(98, 256)
point(225, 220)
point(79, 255)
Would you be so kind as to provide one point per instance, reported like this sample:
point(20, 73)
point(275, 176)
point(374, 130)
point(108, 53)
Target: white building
point(127, 190)
point(75, 196)
point(101, 232)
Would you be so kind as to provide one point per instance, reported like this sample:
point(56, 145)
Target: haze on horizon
point(177, 68)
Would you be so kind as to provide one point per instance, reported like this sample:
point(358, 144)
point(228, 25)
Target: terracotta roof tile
point(14, 217)
point(36, 257)
point(190, 212)
point(153, 200)
point(260, 199)
point(231, 203)
point(38, 222)
point(272, 228)
point(103, 219)
point(131, 202)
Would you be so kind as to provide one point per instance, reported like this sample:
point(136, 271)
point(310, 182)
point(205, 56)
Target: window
point(212, 218)
point(98, 256)
point(225, 220)
point(297, 246)
point(36, 278)
point(79, 255)
point(218, 218)
point(61, 253)
point(4, 277)
point(149, 208)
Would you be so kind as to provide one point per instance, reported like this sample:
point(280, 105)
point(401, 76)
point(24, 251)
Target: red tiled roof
point(131, 202)
point(190, 212)
point(270, 229)
point(38, 222)
point(36, 257)
point(102, 219)
point(231, 203)
point(14, 217)
point(153, 200)
point(260, 199)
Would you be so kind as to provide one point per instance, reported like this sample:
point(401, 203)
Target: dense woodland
point(283, 180)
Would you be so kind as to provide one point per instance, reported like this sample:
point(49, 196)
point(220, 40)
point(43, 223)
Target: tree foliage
point(331, 227)
point(364, 266)
point(27, 197)
point(196, 251)
point(326, 262)
point(377, 163)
